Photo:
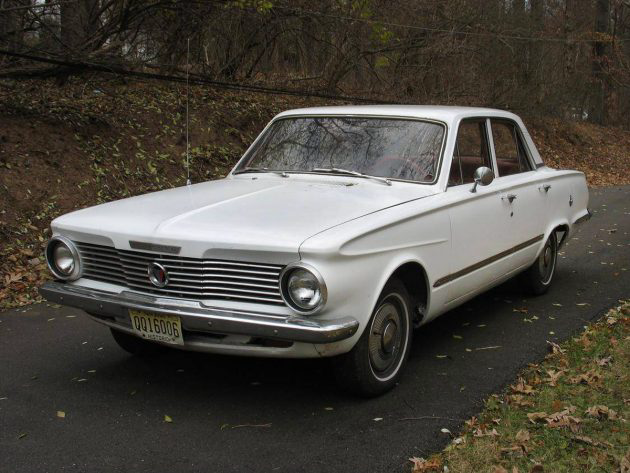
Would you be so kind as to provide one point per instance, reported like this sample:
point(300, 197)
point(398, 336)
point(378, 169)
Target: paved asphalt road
point(239, 414)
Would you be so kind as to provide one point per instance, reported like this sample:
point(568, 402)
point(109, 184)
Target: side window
point(509, 148)
point(471, 151)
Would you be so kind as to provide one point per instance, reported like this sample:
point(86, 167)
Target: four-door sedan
point(339, 231)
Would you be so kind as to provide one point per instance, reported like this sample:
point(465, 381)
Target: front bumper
point(113, 310)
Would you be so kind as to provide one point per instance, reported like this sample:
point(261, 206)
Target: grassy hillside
point(92, 141)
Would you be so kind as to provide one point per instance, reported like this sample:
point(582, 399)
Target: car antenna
point(187, 93)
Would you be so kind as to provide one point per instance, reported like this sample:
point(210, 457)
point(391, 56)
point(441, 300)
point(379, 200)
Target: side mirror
point(483, 176)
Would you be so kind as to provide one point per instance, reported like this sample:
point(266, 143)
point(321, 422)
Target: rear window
point(509, 148)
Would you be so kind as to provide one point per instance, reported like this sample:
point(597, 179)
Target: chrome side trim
point(196, 317)
point(485, 262)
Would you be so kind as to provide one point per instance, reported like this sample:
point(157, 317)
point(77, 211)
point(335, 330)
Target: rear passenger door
point(520, 189)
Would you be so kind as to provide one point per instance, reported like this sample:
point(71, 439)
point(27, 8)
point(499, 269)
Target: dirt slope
point(91, 141)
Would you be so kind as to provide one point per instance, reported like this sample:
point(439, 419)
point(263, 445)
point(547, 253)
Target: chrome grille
point(189, 278)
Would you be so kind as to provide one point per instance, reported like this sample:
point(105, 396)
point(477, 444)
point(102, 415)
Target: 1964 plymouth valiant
point(339, 231)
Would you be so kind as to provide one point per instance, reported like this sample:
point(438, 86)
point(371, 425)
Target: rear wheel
point(136, 345)
point(540, 274)
point(375, 364)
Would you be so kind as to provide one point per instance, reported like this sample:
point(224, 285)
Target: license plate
point(157, 327)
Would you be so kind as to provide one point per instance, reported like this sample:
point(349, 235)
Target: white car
point(339, 231)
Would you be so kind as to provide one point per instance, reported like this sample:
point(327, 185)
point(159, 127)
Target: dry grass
point(566, 414)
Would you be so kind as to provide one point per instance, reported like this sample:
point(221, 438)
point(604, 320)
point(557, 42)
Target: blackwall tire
point(375, 363)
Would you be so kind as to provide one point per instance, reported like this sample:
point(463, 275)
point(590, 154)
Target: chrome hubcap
point(387, 338)
point(547, 261)
point(547, 255)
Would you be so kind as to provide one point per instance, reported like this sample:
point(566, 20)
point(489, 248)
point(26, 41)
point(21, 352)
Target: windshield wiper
point(347, 172)
point(279, 173)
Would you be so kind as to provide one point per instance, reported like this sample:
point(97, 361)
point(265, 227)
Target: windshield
point(385, 147)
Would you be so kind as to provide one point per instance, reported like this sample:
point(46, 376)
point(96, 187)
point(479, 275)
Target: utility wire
point(439, 30)
point(451, 31)
point(350, 18)
point(194, 79)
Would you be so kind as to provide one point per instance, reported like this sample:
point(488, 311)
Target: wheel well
point(414, 278)
point(562, 232)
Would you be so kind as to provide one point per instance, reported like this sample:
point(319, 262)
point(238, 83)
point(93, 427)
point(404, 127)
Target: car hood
point(265, 213)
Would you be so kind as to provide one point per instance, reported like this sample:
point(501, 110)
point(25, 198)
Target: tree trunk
point(10, 28)
point(600, 58)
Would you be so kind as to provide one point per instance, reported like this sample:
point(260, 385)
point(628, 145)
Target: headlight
point(63, 258)
point(303, 288)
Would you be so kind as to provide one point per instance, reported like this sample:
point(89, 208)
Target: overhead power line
point(451, 31)
point(193, 79)
point(336, 16)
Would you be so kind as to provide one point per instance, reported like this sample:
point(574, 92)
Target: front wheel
point(540, 274)
point(375, 364)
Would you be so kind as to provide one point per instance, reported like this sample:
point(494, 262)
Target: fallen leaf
point(420, 465)
point(536, 416)
point(61, 414)
point(590, 377)
point(519, 400)
point(601, 412)
point(485, 433)
point(167, 419)
point(522, 436)
point(471, 422)
point(554, 376)
point(555, 348)
point(521, 387)
point(250, 425)
point(603, 361)
point(563, 419)
point(590, 441)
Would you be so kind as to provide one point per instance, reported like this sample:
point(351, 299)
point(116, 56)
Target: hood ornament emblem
point(157, 274)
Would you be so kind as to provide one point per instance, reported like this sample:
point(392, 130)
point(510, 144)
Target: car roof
point(442, 113)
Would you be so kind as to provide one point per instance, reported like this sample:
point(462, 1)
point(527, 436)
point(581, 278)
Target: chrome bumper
point(113, 310)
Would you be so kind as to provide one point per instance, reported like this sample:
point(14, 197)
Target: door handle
point(545, 187)
point(509, 197)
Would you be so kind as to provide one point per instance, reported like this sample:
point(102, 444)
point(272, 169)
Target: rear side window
point(509, 148)
point(471, 151)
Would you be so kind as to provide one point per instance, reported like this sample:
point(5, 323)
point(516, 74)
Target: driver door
point(479, 227)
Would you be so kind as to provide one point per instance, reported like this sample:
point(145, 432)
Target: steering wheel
point(405, 162)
